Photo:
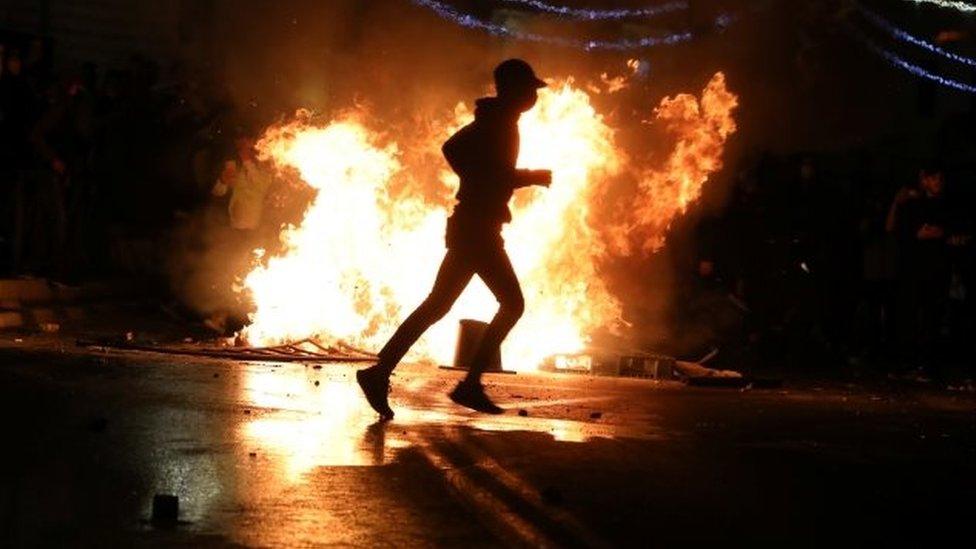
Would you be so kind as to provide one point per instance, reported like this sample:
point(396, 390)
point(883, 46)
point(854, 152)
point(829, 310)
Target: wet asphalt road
point(289, 455)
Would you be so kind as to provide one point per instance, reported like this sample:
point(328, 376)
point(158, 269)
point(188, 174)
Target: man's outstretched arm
point(527, 178)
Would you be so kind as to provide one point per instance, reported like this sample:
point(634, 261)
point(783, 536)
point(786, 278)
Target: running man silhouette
point(483, 154)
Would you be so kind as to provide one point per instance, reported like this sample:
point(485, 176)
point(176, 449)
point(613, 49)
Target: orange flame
point(364, 256)
point(701, 128)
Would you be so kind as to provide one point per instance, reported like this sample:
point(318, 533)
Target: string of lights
point(452, 14)
point(904, 36)
point(949, 4)
point(912, 68)
point(602, 14)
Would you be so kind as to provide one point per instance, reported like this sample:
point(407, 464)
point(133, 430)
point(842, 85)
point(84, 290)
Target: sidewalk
point(46, 305)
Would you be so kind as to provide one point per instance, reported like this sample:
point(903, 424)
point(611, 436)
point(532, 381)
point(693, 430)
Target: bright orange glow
point(701, 127)
point(364, 256)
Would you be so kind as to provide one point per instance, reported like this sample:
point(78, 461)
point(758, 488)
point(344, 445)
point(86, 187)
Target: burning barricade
point(355, 265)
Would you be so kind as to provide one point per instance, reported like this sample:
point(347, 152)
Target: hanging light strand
point(957, 5)
point(465, 20)
point(601, 14)
point(904, 36)
point(914, 69)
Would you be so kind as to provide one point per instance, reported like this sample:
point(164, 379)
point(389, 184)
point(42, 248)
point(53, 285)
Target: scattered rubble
point(306, 350)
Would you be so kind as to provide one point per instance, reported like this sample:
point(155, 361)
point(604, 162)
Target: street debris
point(697, 375)
point(695, 370)
point(523, 412)
point(648, 365)
point(306, 350)
point(596, 415)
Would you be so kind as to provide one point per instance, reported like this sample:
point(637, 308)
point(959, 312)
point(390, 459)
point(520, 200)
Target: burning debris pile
point(365, 253)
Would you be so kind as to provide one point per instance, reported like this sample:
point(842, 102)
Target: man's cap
point(516, 73)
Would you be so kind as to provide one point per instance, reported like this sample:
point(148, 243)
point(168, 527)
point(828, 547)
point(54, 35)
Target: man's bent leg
point(496, 270)
point(453, 276)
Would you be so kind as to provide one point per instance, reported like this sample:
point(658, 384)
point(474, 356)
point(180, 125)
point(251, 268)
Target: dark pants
point(877, 329)
point(491, 263)
point(40, 224)
point(922, 310)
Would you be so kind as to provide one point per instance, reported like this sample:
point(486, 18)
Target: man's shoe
point(472, 395)
point(376, 386)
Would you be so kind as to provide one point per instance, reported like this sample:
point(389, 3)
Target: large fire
point(367, 249)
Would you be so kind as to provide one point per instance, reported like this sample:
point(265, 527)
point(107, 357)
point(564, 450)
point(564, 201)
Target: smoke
point(205, 260)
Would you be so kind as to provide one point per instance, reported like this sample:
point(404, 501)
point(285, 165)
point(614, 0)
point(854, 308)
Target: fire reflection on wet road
point(308, 418)
point(305, 425)
point(268, 455)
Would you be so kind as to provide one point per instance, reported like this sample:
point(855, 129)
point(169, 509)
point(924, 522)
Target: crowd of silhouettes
point(95, 164)
point(827, 261)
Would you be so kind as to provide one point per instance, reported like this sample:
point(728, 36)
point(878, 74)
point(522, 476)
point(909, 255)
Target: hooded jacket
point(483, 154)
